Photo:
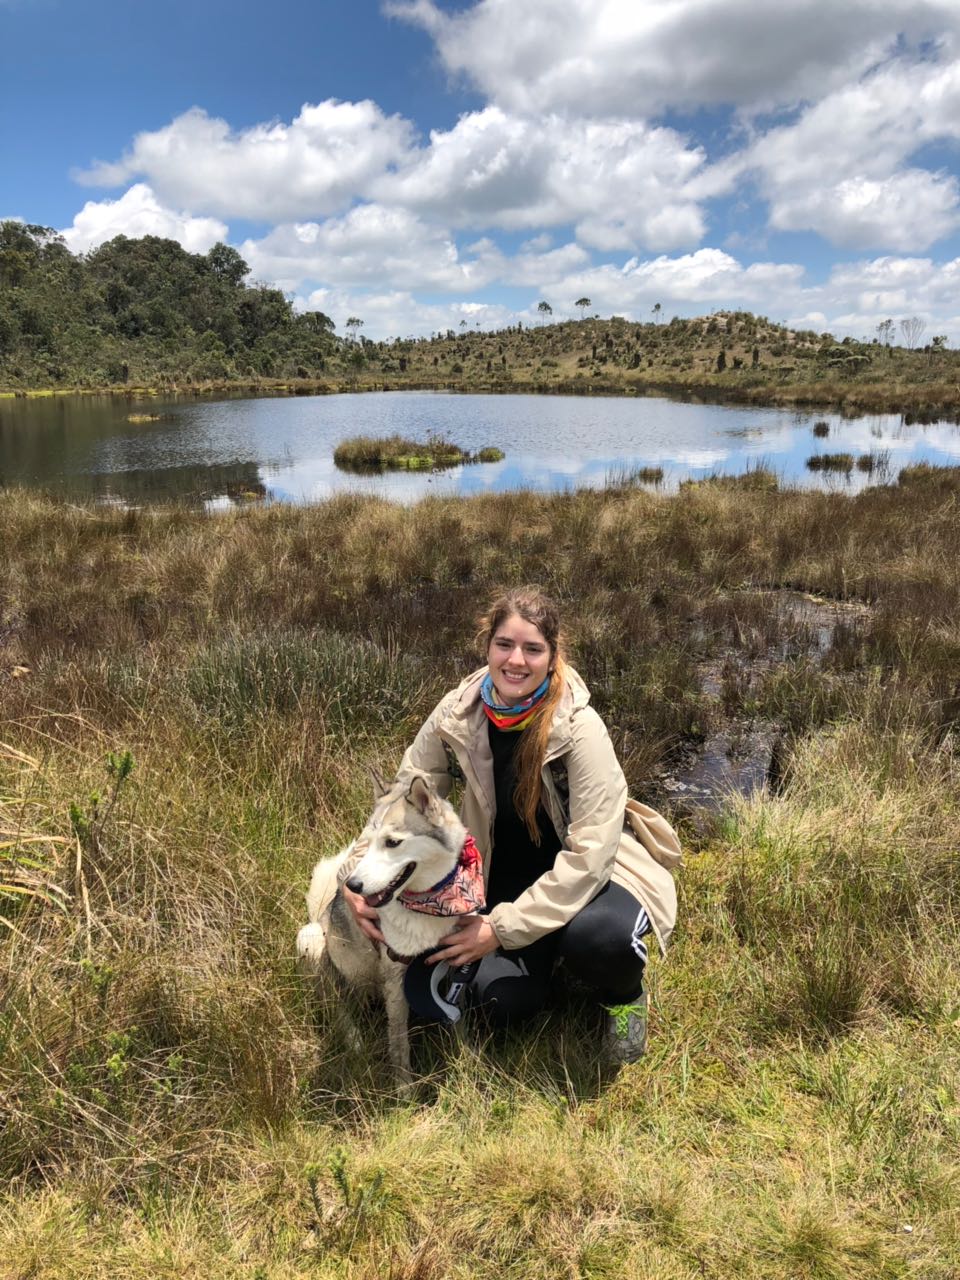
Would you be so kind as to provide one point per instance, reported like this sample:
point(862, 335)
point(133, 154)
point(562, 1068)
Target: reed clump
point(831, 462)
point(189, 707)
point(363, 454)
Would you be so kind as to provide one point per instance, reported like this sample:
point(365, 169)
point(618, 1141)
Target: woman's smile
point(519, 659)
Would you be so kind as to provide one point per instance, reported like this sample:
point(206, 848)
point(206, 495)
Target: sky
point(423, 163)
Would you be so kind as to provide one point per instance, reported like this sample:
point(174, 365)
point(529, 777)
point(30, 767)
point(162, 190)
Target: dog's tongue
point(384, 895)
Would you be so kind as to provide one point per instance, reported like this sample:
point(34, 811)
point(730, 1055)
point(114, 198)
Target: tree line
point(144, 310)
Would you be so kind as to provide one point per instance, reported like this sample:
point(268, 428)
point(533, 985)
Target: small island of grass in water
point(397, 453)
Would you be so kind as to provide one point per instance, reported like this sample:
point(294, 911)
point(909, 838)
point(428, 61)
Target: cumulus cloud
point(839, 169)
point(138, 212)
point(623, 182)
point(399, 314)
point(637, 57)
point(907, 210)
point(853, 299)
point(391, 248)
point(704, 278)
point(370, 245)
point(860, 294)
point(316, 164)
point(837, 107)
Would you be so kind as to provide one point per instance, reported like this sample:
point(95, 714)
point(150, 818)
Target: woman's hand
point(472, 938)
point(366, 917)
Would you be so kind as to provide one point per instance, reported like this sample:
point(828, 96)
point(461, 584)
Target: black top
point(516, 860)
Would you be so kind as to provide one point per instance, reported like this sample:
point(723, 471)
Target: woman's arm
point(427, 754)
point(598, 796)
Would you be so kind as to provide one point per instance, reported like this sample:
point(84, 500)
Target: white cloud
point(839, 169)
point(398, 314)
point(316, 164)
point(637, 57)
point(139, 213)
point(909, 210)
point(566, 153)
point(375, 246)
point(863, 293)
point(372, 261)
point(703, 280)
point(370, 245)
point(854, 299)
point(623, 182)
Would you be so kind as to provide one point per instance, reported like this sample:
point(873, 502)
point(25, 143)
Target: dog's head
point(413, 841)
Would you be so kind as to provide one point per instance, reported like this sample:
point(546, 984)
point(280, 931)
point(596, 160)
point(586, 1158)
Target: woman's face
point(519, 659)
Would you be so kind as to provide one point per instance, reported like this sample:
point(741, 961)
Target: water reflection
point(282, 448)
point(240, 482)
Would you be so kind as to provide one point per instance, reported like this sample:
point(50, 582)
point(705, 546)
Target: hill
point(148, 314)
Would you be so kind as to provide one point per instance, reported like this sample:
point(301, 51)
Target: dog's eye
point(391, 843)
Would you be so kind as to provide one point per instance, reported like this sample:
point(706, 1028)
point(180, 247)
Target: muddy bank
point(743, 750)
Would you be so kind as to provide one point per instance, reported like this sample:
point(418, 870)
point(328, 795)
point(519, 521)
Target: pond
point(281, 448)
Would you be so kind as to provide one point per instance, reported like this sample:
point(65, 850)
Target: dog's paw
point(311, 945)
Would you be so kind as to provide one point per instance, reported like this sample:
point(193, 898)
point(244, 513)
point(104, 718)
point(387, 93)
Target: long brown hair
point(533, 606)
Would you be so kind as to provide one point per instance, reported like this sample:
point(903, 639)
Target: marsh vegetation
point(366, 454)
point(189, 705)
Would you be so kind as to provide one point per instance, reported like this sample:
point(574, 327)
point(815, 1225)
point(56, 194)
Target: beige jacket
point(598, 845)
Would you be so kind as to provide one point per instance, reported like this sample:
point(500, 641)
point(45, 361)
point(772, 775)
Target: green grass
point(831, 462)
point(397, 453)
point(175, 1103)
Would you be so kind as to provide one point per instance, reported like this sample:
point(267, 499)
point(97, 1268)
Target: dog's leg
point(311, 949)
point(315, 962)
point(398, 1032)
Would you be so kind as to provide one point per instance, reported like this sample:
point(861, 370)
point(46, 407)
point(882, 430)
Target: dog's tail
point(327, 877)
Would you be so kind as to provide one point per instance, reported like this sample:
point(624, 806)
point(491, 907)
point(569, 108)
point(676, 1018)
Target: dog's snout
point(355, 884)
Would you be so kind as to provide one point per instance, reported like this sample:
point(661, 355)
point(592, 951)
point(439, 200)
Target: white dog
point(416, 865)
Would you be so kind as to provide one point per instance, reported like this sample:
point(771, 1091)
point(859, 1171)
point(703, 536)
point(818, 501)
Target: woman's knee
point(594, 937)
point(506, 992)
point(598, 946)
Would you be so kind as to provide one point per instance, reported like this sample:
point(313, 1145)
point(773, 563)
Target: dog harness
point(458, 894)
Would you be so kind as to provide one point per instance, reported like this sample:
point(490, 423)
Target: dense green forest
point(147, 313)
point(143, 311)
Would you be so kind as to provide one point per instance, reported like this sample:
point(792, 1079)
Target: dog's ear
point(380, 786)
point(421, 795)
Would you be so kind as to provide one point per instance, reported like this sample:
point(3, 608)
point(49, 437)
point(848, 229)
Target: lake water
point(218, 451)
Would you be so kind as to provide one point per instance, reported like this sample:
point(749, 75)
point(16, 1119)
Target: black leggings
point(599, 946)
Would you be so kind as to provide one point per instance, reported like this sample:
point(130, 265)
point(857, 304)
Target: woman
point(545, 798)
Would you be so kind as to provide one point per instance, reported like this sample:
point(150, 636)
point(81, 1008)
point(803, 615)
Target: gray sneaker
point(625, 1030)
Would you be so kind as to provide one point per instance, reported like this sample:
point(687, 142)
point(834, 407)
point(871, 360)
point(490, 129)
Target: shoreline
point(941, 398)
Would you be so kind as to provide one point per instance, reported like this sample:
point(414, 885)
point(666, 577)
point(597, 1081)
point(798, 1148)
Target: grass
point(831, 462)
point(364, 454)
point(176, 1104)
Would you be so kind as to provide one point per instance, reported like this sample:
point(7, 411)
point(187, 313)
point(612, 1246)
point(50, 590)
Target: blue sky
point(418, 163)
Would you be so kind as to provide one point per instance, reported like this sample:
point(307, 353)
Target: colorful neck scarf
point(460, 893)
point(515, 716)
